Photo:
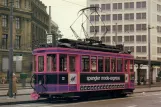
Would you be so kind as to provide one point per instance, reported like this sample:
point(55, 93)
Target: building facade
point(128, 20)
point(23, 33)
point(40, 23)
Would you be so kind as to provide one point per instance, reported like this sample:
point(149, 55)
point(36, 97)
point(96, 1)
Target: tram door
point(73, 63)
point(129, 72)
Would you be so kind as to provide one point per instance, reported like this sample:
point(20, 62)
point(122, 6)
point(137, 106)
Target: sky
point(64, 13)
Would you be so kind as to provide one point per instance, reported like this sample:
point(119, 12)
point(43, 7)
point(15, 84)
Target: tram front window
point(40, 63)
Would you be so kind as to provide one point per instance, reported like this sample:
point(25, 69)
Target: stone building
point(30, 23)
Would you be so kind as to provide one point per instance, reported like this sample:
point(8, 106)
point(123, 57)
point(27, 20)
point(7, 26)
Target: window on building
point(26, 4)
point(4, 20)
point(94, 5)
point(5, 64)
point(158, 39)
point(159, 29)
point(117, 6)
point(18, 23)
point(62, 62)
point(159, 50)
point(5, 2)
point(105, 7)
point(107, 64)
point(85, 63)
point(4, 41)
point(141, 4)
point(17, 3)
point(127, 48)
point(140, 15)
point(117, 16)
point(119, 28)
point(106, 28)
point(129, 38)
point(129, 28)
point(141, 27)
point(18, 42)
point(91, 17)
point(51, 62)
point(40, 63)
point(94, 29)
point(141, 49)
point(108, 17)
point(119, 39)
point(158, 8)
point(129, 5)
point(141, 38)
point(158, 18)
point(129, 16)
point(18, 65)
point(108, 39)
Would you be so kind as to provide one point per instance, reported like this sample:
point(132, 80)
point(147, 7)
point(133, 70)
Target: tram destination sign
point(101, 78)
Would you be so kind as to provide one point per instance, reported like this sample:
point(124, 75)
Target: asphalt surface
point(150, 99)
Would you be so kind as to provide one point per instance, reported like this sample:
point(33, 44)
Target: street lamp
point(11, 50)
point(149, 54)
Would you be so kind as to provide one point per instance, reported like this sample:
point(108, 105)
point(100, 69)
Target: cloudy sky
point(64, 13)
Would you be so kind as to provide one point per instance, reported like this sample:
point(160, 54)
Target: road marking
point(23, 105)
point(132, 106)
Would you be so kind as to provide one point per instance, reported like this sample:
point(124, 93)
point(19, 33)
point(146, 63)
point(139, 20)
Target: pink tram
point(83, 69)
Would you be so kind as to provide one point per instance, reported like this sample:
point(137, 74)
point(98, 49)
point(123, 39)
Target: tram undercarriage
point(88, 95)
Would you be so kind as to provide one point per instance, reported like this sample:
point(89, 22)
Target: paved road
point(152, 99)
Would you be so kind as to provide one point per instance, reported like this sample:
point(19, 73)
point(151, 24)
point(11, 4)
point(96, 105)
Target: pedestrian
point(14, 85)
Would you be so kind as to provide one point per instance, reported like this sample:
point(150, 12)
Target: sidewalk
point(24, 96)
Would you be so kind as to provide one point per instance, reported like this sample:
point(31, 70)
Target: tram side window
point(40, 63)
point(85, 63)
point(119, 64)
point(107, 65)
point(131, 66)
point(113, 65)
point(62, 62)
point(51, 62)
point(93, 64)
point(72, 63)
point(126, 65)
point(100, 64)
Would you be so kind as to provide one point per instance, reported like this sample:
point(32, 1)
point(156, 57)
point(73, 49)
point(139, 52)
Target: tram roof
point(145, 62)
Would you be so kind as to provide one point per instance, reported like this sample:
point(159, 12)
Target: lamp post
point(11, 50)
point(149, 55)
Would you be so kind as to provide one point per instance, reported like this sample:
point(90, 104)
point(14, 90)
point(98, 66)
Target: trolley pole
point(149, 55)
point(116, 39)
point(11, 50)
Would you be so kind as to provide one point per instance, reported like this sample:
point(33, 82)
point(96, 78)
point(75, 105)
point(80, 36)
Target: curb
point(148, 91)
point(21, 102)
point(133, 92)
point(18, 88)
